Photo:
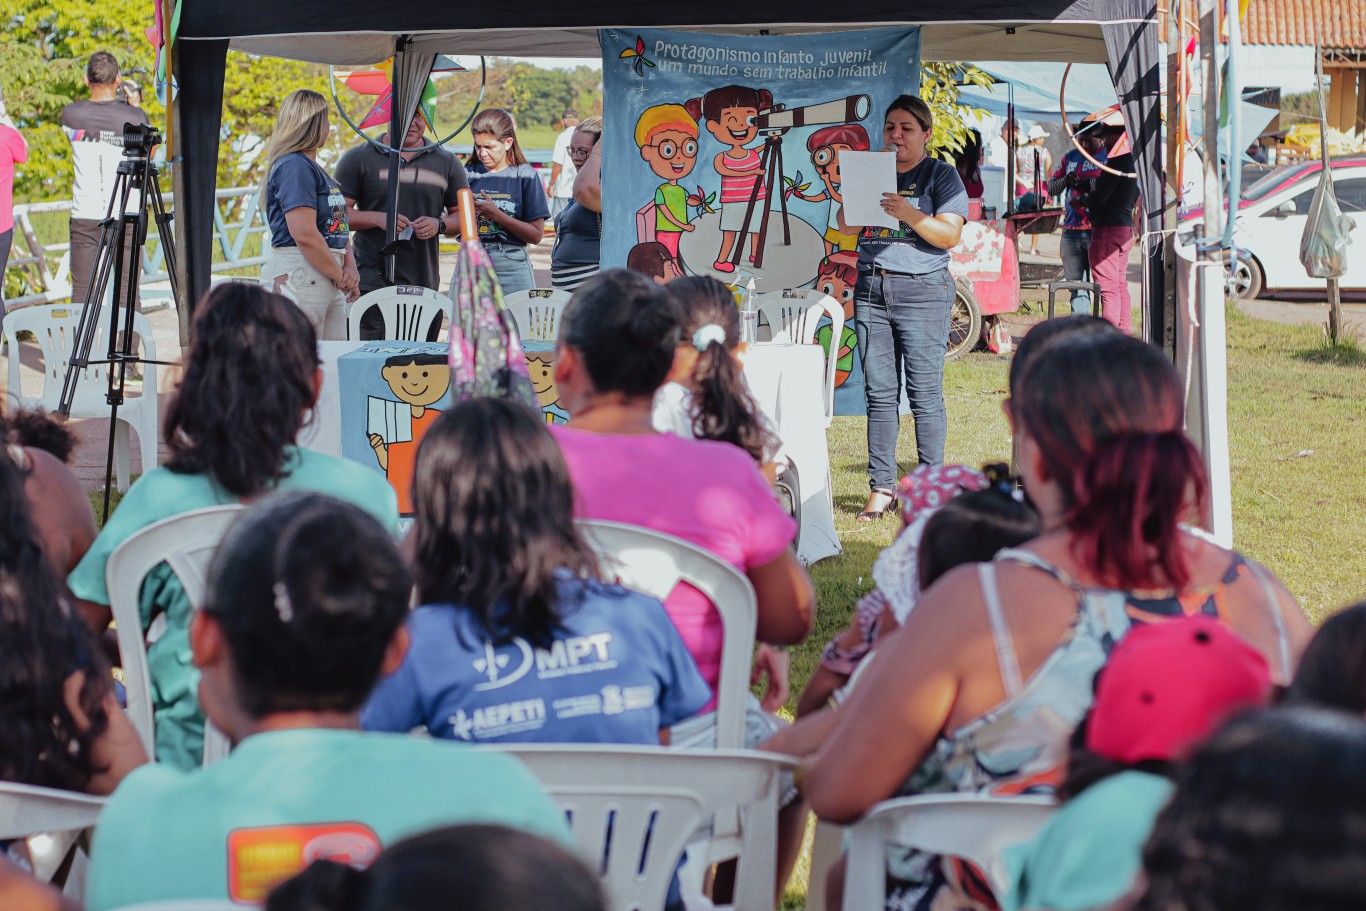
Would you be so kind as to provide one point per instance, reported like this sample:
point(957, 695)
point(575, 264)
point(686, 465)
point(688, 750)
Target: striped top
point(738, 189)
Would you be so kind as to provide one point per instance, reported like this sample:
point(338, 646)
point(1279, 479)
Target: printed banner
point(721, 153)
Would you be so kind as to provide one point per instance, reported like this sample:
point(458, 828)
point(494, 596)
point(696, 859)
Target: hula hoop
point(384, 147)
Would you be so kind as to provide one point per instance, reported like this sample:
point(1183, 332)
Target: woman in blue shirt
point(310, 259)
point(903, 299)
point(508, 198)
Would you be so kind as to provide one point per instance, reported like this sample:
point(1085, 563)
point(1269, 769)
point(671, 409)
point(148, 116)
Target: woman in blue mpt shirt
point(508, 198)
point(310, 259)
point(903, 298)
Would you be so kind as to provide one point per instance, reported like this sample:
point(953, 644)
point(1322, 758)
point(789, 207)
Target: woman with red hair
point(980, 688)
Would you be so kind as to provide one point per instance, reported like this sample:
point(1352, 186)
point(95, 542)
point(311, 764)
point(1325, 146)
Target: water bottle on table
point(749, 307)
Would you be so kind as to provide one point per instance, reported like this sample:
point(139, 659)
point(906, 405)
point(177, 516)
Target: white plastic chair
point(974, 827)
point(536, 312)
point(633, 810)
point(408, 311)
point(54, 326)
point(654, 563)
point(186, 543)
point(27, 811)
point(793, 315)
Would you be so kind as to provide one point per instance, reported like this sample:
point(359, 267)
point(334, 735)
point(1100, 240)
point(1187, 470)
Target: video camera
point(779, 119)
point(139, 139)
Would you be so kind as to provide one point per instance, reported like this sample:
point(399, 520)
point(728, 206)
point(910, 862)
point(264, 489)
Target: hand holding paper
point(864, 178)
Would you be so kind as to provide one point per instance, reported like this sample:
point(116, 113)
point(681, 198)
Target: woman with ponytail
point(978, 690)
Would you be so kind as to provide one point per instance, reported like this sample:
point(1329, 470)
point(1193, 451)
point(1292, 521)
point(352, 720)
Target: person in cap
point(1166, 688)
point(1033, 165)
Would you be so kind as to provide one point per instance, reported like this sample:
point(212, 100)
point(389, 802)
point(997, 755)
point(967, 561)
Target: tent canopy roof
point(356, 32)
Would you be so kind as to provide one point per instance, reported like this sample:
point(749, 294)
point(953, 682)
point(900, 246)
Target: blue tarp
point(1036, 89)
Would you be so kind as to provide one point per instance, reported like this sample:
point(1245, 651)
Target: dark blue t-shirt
point(617, 672)
point(578, 237)
point(516, 190)
point(935, 189)
point(296, 181)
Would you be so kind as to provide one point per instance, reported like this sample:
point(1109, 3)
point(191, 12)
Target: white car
point(1271, 218)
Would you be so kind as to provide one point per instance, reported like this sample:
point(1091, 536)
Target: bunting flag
point(379, 81)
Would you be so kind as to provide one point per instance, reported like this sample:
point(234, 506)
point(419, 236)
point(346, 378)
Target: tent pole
point(1209, 80)
point(1162, 323)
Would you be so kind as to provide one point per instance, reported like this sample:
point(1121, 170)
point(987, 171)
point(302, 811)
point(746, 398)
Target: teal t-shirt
point(161, 494)
point(1088, 853)
point(285, 798)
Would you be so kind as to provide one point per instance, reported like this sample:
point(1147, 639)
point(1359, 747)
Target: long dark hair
point(722, 408)
point(973, 526)
point(1107, 411)
point(248, 384)
point(41, 644)
point(309, 591)
point(472, 867)
point(1269, 814)
point(1332, 671)
point(495, 518)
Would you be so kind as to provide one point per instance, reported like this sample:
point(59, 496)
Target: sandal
point(871, 514)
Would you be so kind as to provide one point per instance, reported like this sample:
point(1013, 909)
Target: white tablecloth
point(786, 381)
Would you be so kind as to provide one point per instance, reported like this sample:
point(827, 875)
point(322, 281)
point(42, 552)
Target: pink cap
point(1167, 686)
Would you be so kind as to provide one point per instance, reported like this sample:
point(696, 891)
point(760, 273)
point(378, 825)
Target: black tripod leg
point(782, 195)
point(163, 220)
point(773, 152)
point(743, 233)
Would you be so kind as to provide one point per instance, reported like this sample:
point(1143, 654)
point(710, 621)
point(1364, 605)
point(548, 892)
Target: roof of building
point(1330, 24)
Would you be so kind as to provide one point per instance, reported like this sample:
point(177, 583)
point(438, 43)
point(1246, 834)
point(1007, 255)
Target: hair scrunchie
point(706, 335)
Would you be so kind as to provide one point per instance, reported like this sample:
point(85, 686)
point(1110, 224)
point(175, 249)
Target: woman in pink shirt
point(13, 151)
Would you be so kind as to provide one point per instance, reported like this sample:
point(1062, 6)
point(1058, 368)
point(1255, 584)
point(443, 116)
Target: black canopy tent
point(1119, 33)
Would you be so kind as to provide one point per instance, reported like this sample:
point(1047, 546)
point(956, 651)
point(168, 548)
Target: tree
point(940, 87)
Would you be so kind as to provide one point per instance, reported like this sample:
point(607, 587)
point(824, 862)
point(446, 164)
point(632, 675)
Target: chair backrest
point(54, 326)
point(408, 311)
point(974, 827)
point(26, 810)
point(536, 312)
point(655, 563)
point(794, 315)
point(186, 543)
point(633, 809)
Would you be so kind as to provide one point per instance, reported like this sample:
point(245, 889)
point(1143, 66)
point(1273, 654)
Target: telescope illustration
point(772, 123)
point(841, 110)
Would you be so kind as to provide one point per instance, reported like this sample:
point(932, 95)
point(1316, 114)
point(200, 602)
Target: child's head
point(494, 518)
point(418, 379)
point(729, 112)
point(488, 868)
point(710, 322)
point(666, 135)
point(836, 276)
point(306, 596)
point(250, 379)
point(1332, 671)
point(653, 259)
point(972, 526)
point(495, 140)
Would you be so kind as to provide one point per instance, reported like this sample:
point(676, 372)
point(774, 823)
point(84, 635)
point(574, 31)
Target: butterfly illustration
point(638, 52)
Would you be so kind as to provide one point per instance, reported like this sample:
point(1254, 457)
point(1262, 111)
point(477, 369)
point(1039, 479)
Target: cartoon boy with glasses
point(667, 137)
point(825, 146)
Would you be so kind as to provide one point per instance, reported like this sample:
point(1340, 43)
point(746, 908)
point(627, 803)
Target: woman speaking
point(903, 298)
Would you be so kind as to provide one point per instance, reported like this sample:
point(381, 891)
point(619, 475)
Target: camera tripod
point(136, 183)
point(771, 163)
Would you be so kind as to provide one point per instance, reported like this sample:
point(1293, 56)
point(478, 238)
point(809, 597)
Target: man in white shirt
point(562, 170)
point(95, 128)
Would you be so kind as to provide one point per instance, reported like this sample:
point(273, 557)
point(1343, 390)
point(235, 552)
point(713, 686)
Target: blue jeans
point(1076, 267)
point(513, 266)
point(903, 332)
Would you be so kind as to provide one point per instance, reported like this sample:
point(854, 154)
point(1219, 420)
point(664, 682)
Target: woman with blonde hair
point(309, 236)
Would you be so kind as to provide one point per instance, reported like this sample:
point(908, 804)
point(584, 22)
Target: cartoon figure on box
point(836, 276)
point(396, 429)
point(825, 146)
point(541, 368)
point(729, 113)
point(666, 135)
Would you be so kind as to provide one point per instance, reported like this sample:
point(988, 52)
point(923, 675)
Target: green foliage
point(940, 88)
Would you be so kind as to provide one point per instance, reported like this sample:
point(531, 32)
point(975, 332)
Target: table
point(786, 380)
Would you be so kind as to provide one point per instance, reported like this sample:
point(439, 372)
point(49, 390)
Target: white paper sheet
point(864, 177)
point(393, 421)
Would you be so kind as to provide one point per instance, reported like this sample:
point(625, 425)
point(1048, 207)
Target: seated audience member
point(60, 724)
point(488, 868)
point(975, 691)
point(1332, 671)
point(250, 383)
point(1165, 689)
point(952, 515)
point(616, 345)
point(58, 507)
point(1269, 815)
point(513, 612)
point(19, 891)
point(307, 599)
